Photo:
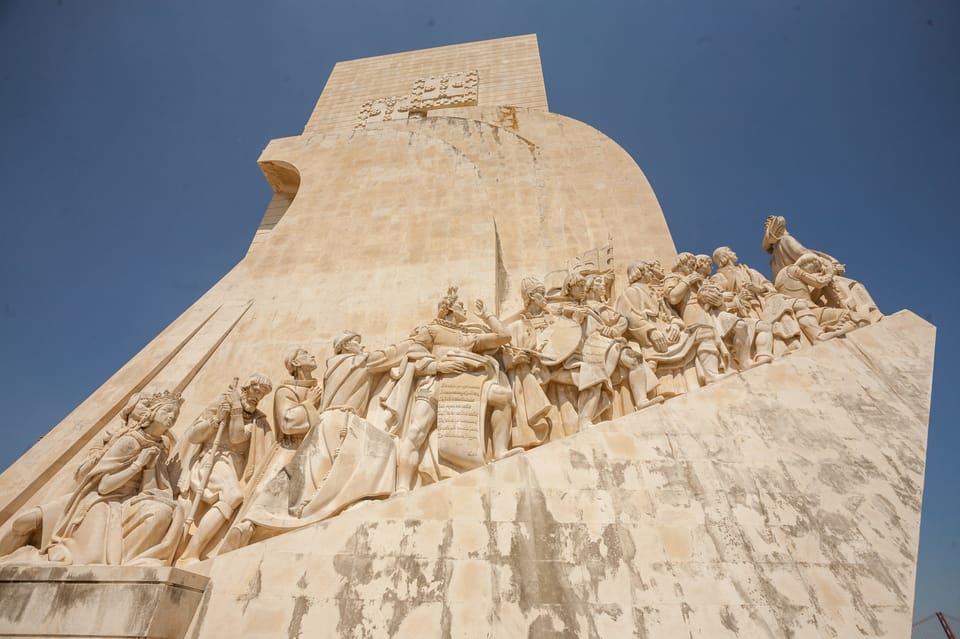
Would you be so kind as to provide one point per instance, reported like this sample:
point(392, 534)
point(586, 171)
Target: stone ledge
point(98, 601)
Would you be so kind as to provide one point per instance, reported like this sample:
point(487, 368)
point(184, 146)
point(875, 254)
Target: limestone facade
point(477, 392)
point(474, 202)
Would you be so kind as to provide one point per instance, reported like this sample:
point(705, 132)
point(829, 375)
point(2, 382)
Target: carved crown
point(164, 397)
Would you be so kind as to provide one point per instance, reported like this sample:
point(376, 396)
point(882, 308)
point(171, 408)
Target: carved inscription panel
point(460, 420)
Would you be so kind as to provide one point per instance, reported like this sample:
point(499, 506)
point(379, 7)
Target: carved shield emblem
point(559, 341)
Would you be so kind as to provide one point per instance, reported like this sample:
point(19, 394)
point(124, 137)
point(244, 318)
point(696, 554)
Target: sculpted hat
point(341, 339)
point(529, 285)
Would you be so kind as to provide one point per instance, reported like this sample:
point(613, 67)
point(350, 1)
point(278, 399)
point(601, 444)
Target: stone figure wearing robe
point(749, 341)
point(229, 445)
point(680, 288)
point(681, 360)
point(602, 360)
point(843, 292)
point(296, 401)
point(805, 281)
point(346, 458)
point(340, 460)
point(458, 357)
point(296, 404)
point(535, 418)
point(754, 299)
point(33, 527)
point(124, 509)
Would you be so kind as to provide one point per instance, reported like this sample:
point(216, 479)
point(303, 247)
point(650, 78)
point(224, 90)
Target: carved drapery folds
point(123, 508)
point(452, 396)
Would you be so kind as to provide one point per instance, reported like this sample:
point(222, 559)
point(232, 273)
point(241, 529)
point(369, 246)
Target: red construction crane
point(946, 627)
point(942, 618)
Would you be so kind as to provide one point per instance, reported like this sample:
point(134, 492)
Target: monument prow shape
point(782, 499)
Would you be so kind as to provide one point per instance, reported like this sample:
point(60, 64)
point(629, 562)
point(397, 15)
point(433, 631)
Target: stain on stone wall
point(754, 507)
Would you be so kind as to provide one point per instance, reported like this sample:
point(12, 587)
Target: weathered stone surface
point(476, 197)
point(97, 601)
point(781, 502)
point(760, 499)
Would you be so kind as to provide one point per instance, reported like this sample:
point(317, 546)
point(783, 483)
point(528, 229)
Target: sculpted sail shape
point(475, 416)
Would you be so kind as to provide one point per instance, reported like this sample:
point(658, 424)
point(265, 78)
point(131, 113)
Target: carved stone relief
point(453, 90)
point(123, 508)
point(459, 89)
point(839, 292)
point(383, 109)
point(450, 397)
point(225, 449)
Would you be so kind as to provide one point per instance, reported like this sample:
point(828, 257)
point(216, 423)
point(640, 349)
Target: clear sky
point(129, 133)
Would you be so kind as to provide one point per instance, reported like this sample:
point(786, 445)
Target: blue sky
point(130, 133)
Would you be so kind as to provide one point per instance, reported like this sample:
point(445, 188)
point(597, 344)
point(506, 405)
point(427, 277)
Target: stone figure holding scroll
point(228, 446)
point(459, 383)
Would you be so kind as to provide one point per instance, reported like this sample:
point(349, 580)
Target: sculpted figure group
point(450, 397)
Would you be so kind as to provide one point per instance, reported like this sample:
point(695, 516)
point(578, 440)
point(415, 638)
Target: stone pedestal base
point(97, 601)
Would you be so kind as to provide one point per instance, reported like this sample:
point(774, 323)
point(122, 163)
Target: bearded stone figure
point(227, 446)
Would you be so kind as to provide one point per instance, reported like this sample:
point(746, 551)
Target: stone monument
point(490, 399)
